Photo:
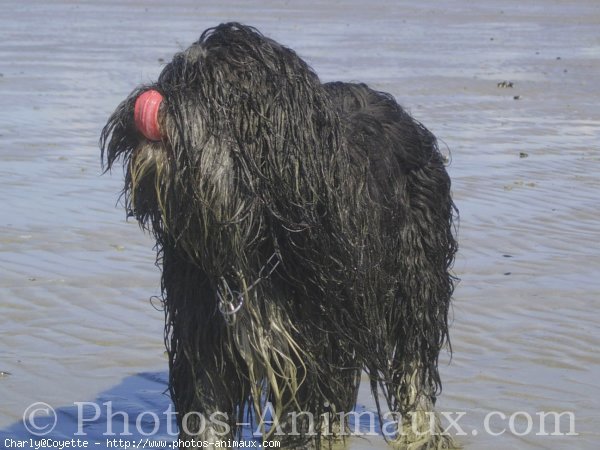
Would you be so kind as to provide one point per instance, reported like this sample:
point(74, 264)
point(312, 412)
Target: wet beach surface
point(76, 322)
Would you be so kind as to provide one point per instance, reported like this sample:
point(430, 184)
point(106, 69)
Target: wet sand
point(75, 278)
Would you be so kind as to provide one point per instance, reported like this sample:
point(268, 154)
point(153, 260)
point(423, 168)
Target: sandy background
point(76, 324)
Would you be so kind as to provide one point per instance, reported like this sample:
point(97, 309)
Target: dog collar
point(230, 301)
point(146, 114)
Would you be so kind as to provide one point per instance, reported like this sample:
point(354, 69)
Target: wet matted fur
point(325, 206)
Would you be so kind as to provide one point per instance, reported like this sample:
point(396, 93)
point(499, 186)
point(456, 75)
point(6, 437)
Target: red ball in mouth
point(146, 114)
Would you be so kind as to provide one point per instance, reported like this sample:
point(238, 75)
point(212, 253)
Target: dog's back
point(375, 123)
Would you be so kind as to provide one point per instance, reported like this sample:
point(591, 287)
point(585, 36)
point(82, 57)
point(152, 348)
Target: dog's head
point(236, 131)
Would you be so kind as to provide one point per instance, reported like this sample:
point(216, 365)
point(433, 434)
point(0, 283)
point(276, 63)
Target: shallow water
point(75, 278)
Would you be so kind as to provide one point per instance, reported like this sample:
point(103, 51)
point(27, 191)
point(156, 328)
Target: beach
point(510, 90)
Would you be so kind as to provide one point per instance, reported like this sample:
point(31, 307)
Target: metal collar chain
point(231, 301)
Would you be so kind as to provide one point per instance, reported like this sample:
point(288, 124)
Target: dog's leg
point(207, 420)
point(207, 382)
point(419, 427)
point(421, 312)
point(208, 398)
point(203, 393)
point(340, 383)
point(327, 394)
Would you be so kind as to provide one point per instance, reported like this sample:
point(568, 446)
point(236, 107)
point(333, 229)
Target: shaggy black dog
point(305, 236)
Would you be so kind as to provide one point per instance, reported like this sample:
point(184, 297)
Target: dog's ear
point(120, 136)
